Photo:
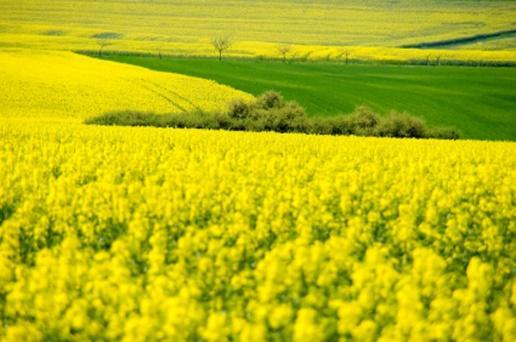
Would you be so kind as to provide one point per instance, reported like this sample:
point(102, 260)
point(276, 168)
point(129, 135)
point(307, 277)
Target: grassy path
point(480, 102)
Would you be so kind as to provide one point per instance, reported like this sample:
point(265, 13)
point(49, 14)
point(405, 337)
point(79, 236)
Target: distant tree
point(293, 57)
point(346, 53)
point(221, 44)
point(307, 55)
point(102, 43)
point(284, 50)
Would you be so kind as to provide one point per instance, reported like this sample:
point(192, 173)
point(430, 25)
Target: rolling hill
point(479, 102)
point(49, 84)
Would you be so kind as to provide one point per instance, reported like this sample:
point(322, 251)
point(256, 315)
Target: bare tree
point(293, 56)
point(306, 56)
point(284, 50)
point(344, 53)
point(221, 44)
point(102, 43)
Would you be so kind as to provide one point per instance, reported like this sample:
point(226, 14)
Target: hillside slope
point(479, 102)
point(48, 84)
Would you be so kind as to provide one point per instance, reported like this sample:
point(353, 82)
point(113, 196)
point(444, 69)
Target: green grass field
point(480, 102)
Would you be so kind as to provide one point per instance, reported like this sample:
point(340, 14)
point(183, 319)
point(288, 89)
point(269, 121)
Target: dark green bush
point(239, 109)
point(270, 99)
point(270, 112)
point(338, 125)
point(400, 125)
point(443, 133)
point(362, 121)
point(283, 117)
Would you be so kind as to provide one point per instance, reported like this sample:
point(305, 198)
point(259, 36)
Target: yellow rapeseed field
point(146, 234)
point(364, 53)
point(481, 52)
point(315, 29)
point(319, 22)
point(50, 84)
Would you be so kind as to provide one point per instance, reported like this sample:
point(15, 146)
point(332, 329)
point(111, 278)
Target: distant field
point(317, 29)
point(480, 102)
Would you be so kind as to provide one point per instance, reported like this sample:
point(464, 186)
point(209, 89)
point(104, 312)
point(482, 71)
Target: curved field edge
point(479, 102)
point(46, 84)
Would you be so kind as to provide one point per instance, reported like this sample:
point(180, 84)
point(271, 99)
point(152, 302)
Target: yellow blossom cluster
point(144, 234)
point(58, 84)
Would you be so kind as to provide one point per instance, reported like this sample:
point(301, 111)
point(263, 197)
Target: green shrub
point(338, 125)
point(361, 122)
point(443, 133)
point(270, 112)
point(363, 118)
point(239, 109)
point(283, 117)
point(400, 125)
point(270, 99)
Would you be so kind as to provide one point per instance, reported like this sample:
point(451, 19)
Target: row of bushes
point(270, 112)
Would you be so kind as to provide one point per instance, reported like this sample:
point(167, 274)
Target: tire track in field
point(150, 86)
point(175, 94)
